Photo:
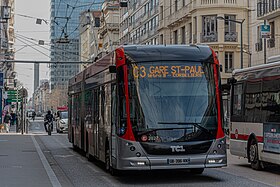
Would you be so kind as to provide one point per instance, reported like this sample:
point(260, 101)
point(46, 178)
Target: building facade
point(139, 20)
point(7, 40)
point(216, 23)
point(268, 13)
point(108, 32)
point(65, 43)
point(42, 97)
point(89, 25)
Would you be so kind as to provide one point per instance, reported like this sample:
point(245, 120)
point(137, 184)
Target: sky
point(27, 34)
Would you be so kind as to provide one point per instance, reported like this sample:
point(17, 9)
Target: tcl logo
point(177, 148)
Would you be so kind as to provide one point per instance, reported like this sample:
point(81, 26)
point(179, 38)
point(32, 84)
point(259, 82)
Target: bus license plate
point(177, 161)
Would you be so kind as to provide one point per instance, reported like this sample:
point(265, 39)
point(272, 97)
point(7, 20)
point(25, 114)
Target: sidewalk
point(20, 163)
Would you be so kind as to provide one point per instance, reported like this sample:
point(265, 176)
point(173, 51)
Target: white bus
point(255, 114)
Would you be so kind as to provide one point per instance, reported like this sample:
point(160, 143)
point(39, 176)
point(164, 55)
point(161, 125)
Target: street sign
point(14, 100)
point(265, 31)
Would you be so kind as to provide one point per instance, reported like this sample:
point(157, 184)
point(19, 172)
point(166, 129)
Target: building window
point(228, 62)
point(183, 33)
point(161, 39)
point(230, 29)
point(170, 7)
point(176, 5)
point(184, 3)
point(161, 12)
point(175, 35)
point(271, 40)
point(209, 29)
point(230, 26)
point(209, 25)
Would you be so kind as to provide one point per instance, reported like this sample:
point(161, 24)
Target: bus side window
point(237, 100)
point(122, 116)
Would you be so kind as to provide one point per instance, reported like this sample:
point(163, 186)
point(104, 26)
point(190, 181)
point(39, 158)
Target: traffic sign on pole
point(265, 31)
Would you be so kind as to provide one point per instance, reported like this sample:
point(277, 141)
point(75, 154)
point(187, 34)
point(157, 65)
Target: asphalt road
point(67, 167)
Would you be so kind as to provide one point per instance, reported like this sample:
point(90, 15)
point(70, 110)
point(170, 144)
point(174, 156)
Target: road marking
point(46, 165)
point(63, 156)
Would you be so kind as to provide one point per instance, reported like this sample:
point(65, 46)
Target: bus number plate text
point(178, 161)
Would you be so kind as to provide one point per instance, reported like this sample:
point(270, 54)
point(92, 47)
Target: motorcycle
point(49, 126)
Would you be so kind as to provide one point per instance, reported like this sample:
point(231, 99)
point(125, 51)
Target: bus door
point(96, 121)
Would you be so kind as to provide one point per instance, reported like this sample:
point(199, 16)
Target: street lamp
point(241, 33)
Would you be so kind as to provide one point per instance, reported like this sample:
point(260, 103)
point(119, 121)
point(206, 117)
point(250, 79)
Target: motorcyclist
point(48, 117)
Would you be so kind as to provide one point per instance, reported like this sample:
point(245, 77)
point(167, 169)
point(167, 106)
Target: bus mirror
point(221, 68)
point(112, 69)
point(231, 80)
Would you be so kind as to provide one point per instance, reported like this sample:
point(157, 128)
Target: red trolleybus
point(150, 107)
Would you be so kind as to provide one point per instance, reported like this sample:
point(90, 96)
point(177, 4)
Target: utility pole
point(264, 46)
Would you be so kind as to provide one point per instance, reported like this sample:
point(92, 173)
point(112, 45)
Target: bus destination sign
point(178, 71)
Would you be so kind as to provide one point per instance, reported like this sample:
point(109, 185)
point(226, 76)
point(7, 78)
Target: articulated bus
point(255, 114)
point(150, 108)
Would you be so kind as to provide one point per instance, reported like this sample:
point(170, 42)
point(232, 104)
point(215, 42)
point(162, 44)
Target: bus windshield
point(174, 95)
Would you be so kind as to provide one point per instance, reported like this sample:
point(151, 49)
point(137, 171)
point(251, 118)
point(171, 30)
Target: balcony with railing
point(231, 36)
point(268, 9)
point(218, 3)
point(211, 37)
point(108, 27)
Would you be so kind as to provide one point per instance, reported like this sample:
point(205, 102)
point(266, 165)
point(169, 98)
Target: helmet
point(49, 112)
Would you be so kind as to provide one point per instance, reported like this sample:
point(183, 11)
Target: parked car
point(62, 121)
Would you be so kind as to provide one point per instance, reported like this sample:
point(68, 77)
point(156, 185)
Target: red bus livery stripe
point(220, 132)
point(129, 133)
point(244, 137)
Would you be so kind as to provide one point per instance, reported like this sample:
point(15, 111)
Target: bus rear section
point(167, 111)
point(255, 116)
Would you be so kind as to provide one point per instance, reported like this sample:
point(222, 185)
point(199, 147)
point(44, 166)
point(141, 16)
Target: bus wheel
point(197, 170)
point(253, 155)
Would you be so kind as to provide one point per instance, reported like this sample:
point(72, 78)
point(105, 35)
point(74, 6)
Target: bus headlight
point(137, 163)
point(215, 161)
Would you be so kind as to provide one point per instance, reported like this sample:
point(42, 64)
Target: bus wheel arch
point(252, 153)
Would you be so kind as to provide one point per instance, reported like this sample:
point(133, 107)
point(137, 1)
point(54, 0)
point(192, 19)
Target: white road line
point(50, 172)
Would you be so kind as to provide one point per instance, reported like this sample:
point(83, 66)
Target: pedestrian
point(13, 118)
point(33, 115)
point(7, 119)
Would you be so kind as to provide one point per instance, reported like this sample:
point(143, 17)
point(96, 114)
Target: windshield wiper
point(189, 123)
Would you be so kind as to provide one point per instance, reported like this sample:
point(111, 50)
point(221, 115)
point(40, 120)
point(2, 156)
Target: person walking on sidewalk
point(7, 119)
point(13, 118)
